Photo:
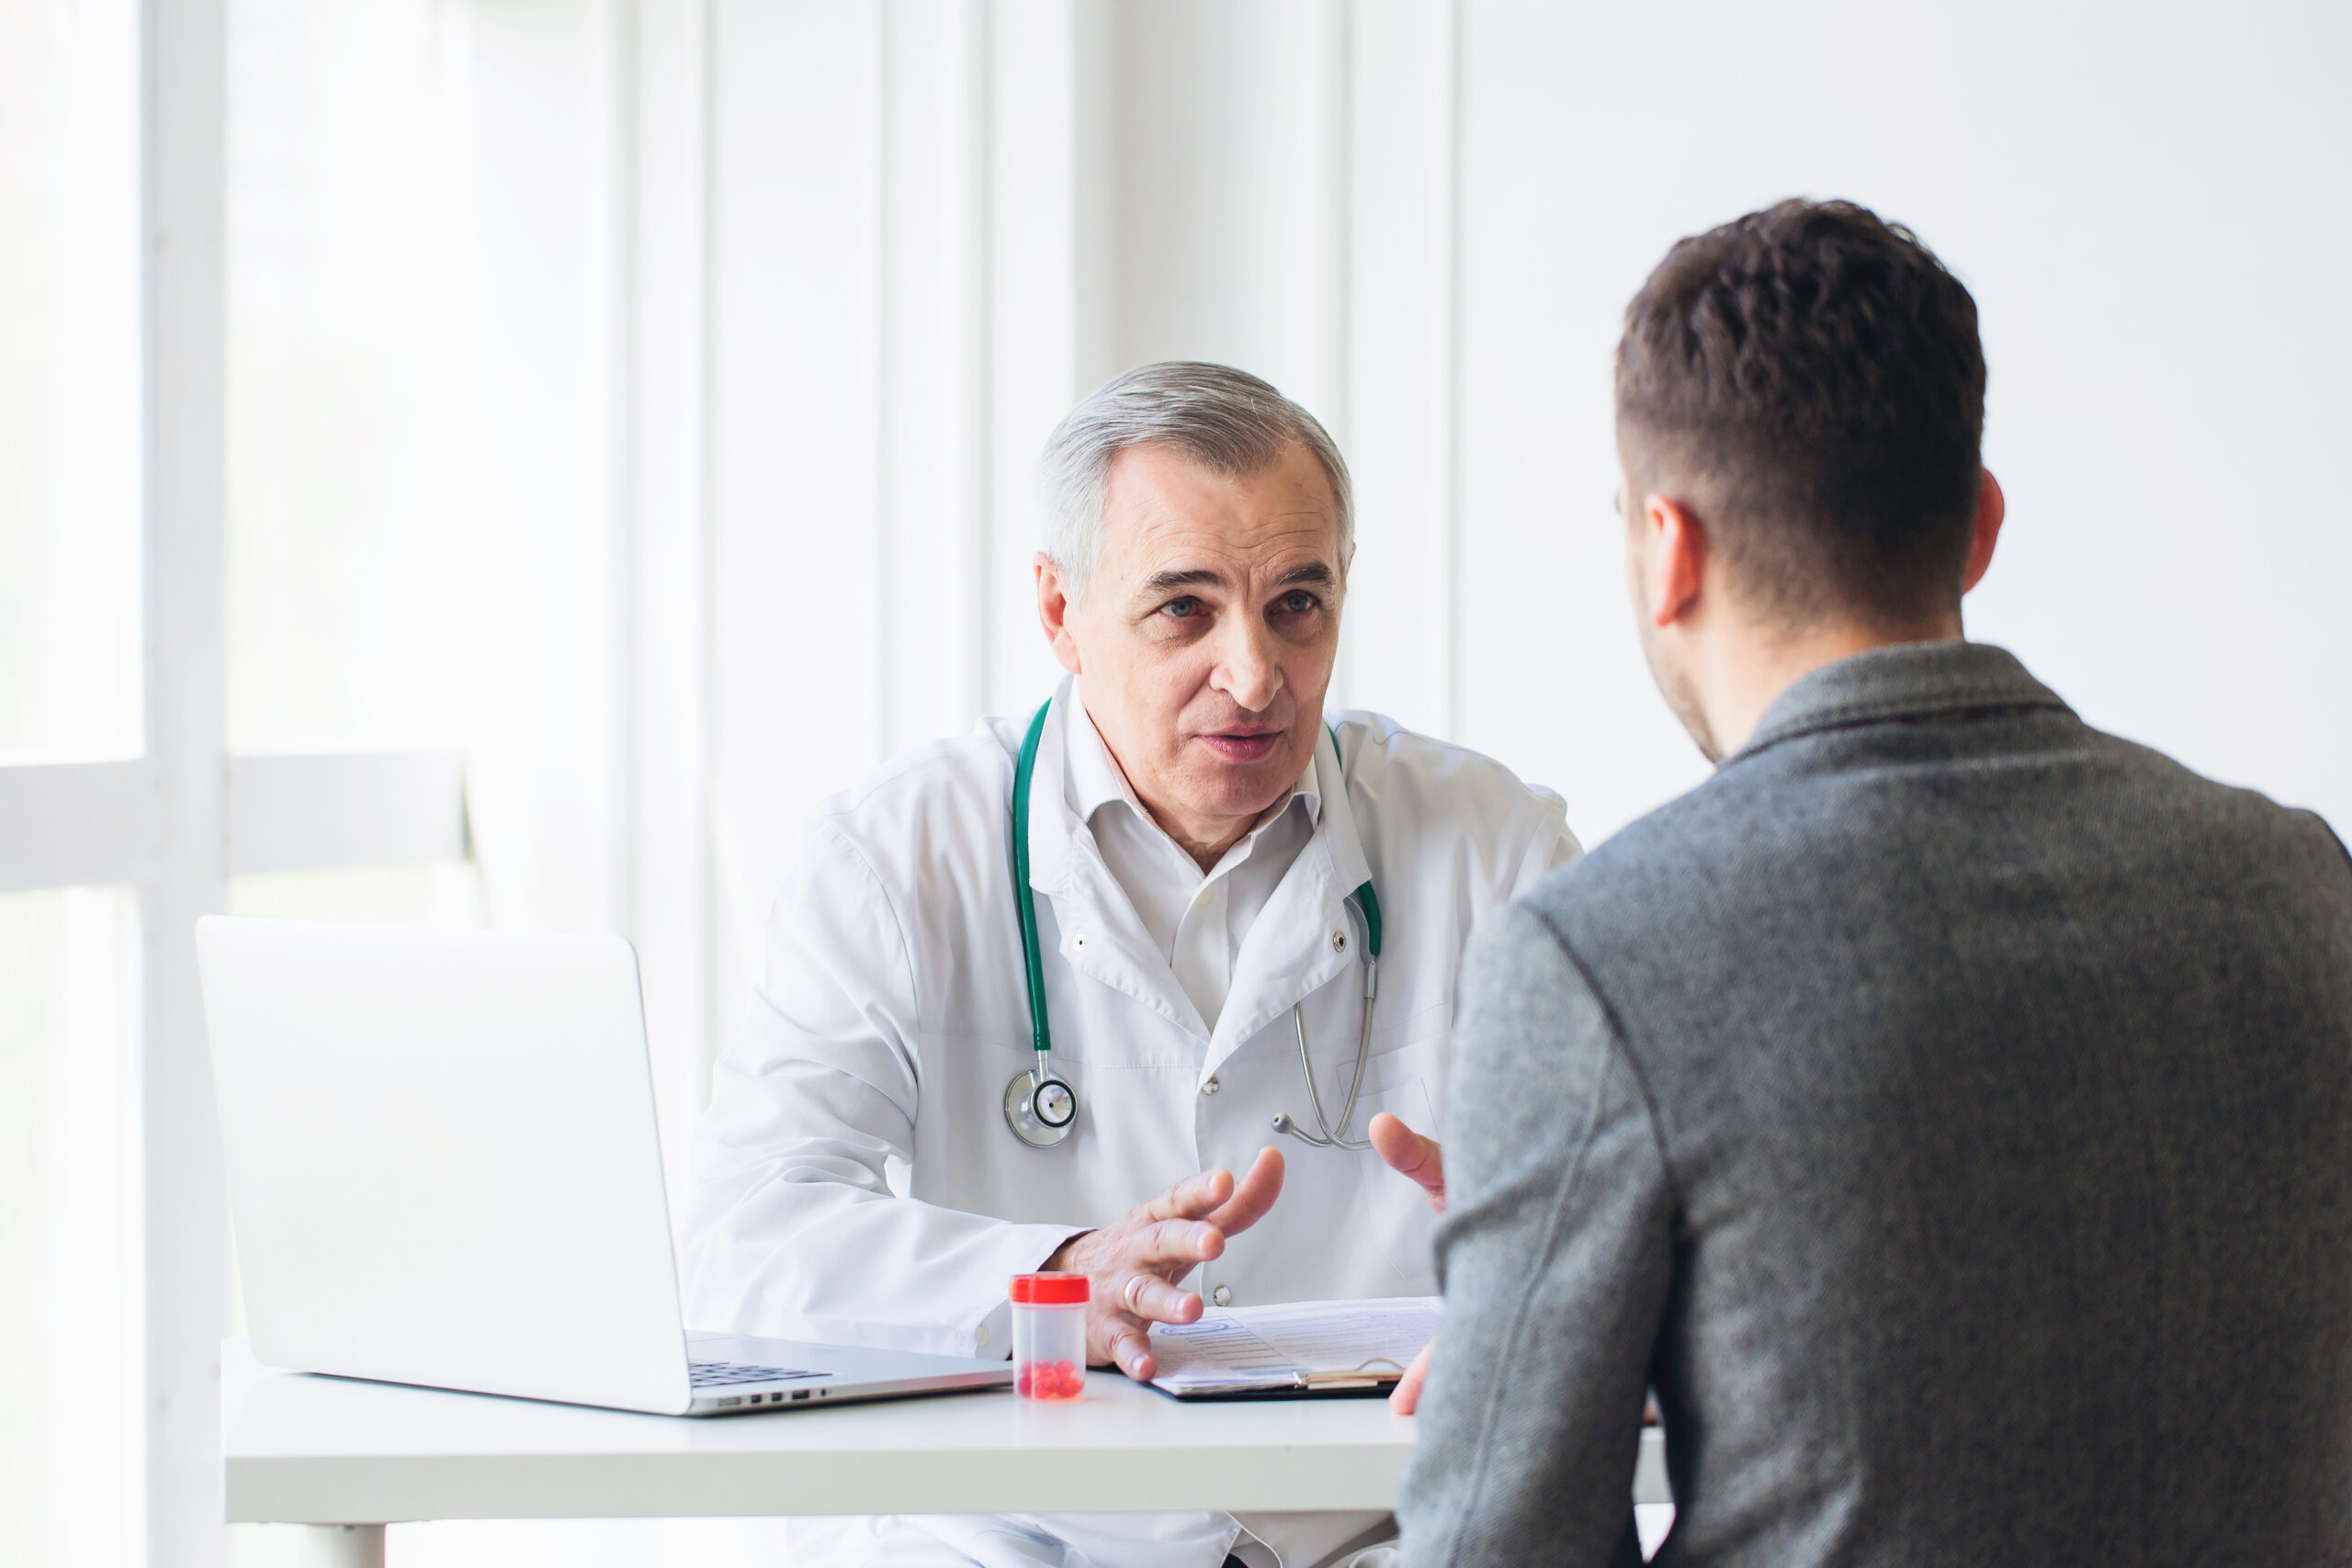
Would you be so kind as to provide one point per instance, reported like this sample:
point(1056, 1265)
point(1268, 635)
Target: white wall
point(933, 228)
point(891, 335)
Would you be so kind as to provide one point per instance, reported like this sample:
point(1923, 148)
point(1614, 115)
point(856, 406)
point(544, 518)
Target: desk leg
point(344, 1546)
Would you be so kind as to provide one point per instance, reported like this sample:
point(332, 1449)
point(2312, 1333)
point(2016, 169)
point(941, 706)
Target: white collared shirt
point(1198, 920)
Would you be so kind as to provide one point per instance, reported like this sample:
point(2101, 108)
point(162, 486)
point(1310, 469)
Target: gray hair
point(1226, 420)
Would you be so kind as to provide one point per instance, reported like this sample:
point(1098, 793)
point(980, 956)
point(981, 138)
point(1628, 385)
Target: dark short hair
point(1813, 376)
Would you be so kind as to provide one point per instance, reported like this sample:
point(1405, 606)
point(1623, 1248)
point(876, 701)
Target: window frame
point(176, 821)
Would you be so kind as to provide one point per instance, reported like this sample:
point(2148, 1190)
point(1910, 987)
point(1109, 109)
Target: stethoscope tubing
point(1041, 1035)
point(1331, 1140)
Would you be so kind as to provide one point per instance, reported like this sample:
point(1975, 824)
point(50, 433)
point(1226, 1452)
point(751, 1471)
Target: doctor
point(1197, 835)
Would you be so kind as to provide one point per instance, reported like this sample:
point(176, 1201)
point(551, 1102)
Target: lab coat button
point(1338, 941)
point(1222, 1295)
point(1211, 1086)
point(982, 1335)
point(1203, 899)
point(1079, 942)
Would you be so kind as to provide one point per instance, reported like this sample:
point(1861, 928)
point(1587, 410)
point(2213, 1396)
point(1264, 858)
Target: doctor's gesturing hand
point(1132, 1266)
point(1419, 1159)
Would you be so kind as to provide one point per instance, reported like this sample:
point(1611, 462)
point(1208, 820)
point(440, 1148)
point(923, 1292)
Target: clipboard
point(1367, 1381)
point(1336, 1349)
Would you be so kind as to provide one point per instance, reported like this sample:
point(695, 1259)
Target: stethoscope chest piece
point(1040, 1109)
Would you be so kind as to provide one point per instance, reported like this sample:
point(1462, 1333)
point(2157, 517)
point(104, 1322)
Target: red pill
point(1049, 1379)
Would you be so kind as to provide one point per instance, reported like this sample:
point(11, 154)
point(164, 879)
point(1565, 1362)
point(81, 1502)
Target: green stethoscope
point(1041, 1108)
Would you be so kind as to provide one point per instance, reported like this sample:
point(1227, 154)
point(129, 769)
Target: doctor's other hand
point(1132, 1266)
point(1411, 1156)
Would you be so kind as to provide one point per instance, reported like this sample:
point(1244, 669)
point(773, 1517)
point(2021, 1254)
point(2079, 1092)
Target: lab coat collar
point(1271, 972)
point(1336, 824)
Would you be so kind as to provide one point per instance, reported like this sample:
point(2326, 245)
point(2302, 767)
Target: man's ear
point(1992, 506)
point(1053, 613)
point(1674, 543)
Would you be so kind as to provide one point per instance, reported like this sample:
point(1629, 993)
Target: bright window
point(352, 466)
point(69, 379)
point(70, 500)
point(420, 323)
point(68, 1319)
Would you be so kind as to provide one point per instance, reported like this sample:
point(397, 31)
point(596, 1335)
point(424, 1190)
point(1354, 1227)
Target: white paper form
point(1295, 1345)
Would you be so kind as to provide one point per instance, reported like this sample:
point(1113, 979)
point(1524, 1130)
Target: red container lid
point(1049, 1289)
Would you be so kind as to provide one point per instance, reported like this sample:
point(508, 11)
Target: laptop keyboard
point(717, 1374)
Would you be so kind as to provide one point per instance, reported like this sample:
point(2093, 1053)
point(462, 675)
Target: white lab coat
point(892, 1012)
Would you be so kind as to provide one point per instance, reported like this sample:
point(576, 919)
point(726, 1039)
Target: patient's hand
point(1407, 1395)
point(1410, 1155)
point(1133, 1267)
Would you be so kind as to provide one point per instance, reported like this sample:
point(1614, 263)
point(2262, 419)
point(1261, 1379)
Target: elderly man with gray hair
point(1232, 915)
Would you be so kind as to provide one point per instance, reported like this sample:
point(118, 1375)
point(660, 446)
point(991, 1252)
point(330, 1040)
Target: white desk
point(326, 1451)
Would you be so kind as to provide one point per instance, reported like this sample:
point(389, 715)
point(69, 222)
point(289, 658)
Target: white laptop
point(444, 1170)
